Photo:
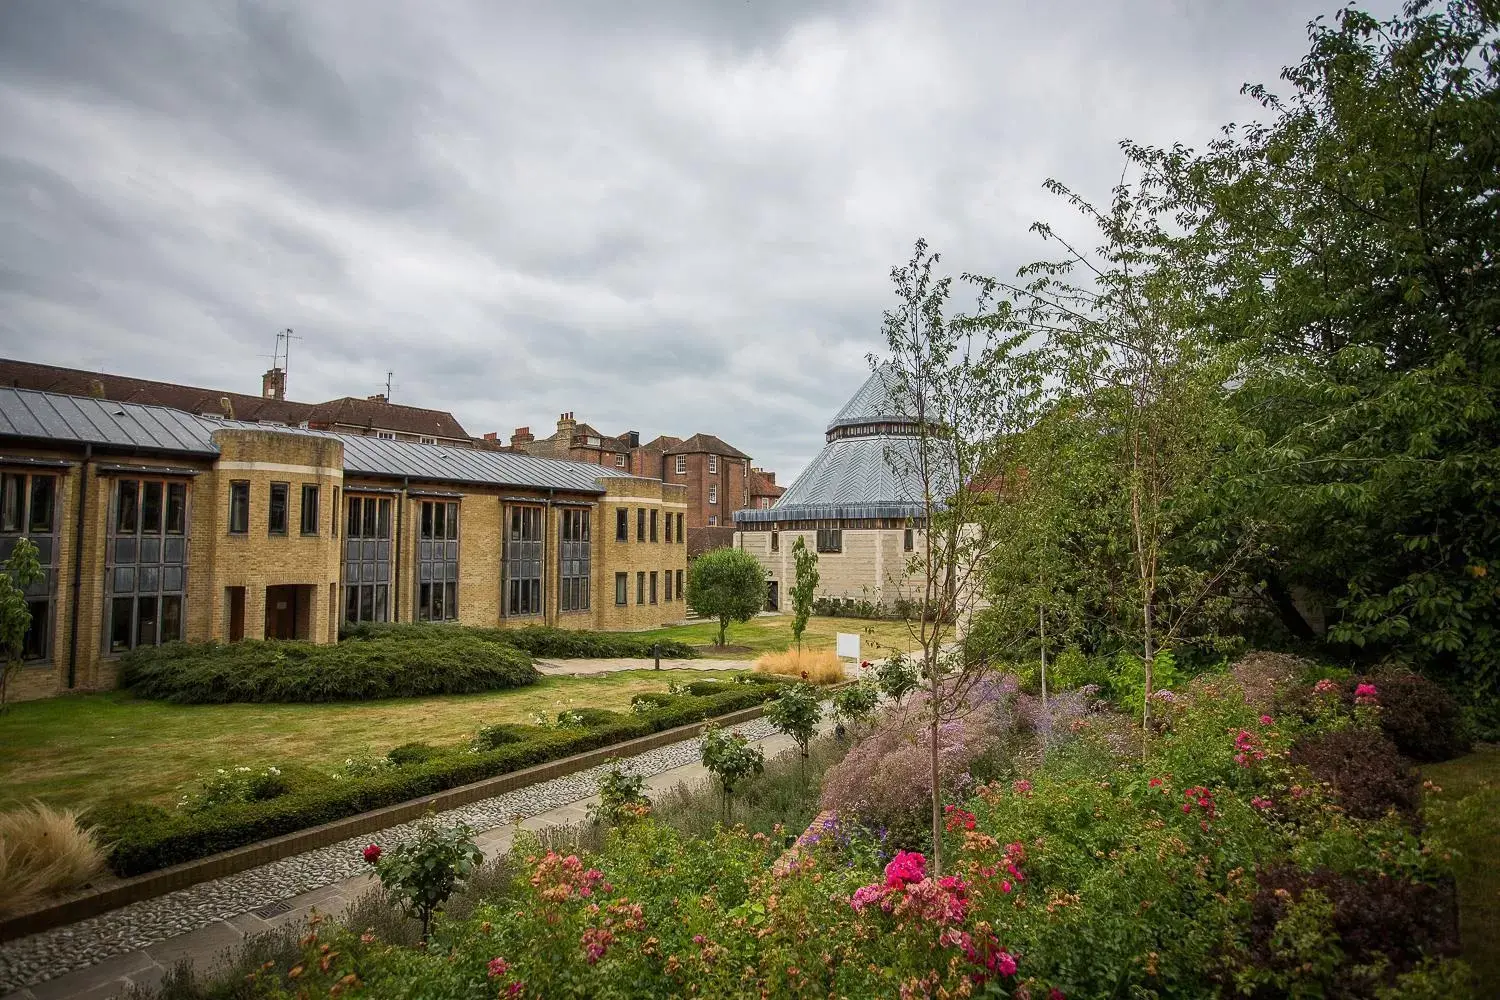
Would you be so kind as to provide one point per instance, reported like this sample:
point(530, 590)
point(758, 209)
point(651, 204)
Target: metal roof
point(871, 403)
point(46, 416)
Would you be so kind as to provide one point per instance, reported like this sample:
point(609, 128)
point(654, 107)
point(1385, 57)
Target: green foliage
point(730, 758)
point(234, 784)
point(1127, 684)
point(727, 584)
point(422, 873)
point(411, 753)
point(143, 838)
point(796, 713)
point(804, 587)
point(856, 703)
point(621, 797)
point(538, 640)
point(897, 676)
point(20, 571)
point(440, 662)
point(499, 734)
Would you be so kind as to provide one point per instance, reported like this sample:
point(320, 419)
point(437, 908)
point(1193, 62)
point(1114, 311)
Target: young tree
point(804, 588)
point(21, 570)
point(957, 388)
point(730, 758)
point(727, 584)
point(796, 713)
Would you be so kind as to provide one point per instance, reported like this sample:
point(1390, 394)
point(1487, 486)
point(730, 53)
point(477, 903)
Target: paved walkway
point(212, 944)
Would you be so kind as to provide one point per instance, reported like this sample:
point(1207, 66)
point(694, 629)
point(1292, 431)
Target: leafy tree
point(896, 676)
point(804, 588)
point(21, 570)
point(1350, 246)
point(727, 584)
point(796, 713)
point(856, 703)
point(729, 757)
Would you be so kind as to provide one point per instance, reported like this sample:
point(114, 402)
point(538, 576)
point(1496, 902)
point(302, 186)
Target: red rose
point(372, 853)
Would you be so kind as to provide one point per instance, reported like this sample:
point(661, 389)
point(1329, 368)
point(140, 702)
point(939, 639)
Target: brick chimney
point(632, 438)
point(521, 438)
point(566, 425)
point(273, 384)
point(379, 397)
point(770, 477)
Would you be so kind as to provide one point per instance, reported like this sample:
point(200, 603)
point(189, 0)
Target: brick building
point(157, 524)
point(763, 489)
point(374, 416)
point(578, 443)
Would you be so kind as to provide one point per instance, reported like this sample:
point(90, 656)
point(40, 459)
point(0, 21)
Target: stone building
point(862, 516)
point(156, 524)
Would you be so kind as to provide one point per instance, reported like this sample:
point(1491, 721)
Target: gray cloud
point(670, 217)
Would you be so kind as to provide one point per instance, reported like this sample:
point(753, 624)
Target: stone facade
point(873, 565)
point(186, 547)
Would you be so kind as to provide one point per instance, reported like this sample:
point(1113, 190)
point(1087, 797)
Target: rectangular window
point(765, 503)
point(333, 517)
point(653, 586)
point(239, 507)
point(653, 524)
point(713, 493)
point(713, 463)
point(906, 540)
point(619, 461)
point(28, 507)
point(640, 588)
point(830, 540)
point(681, 465)
point(145, 574)
point(713, 520)
point(666, 585)
point(386, 435)
point(367, 558)
point(622, 588)
point(622, 525)
point(679, 529)
point(309, 509)
point(681, 593)
point(574, 559)
point(437, 562)
point(523, 562)
point(276, 512)
point(640, 524)
point(775, 541)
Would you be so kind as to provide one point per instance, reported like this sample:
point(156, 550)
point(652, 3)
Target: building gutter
point(77, 584)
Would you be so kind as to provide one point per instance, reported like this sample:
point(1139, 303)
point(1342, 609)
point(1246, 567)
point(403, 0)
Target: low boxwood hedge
point(440, 662)
point(538, 640)
point(145, 838)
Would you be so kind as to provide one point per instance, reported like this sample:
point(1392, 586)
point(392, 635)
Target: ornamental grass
point(43, 852)
point(823, 667)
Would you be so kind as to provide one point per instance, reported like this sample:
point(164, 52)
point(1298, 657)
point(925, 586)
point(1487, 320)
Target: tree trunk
point(937, 811)
point(1150, 658)
point(1041, 617)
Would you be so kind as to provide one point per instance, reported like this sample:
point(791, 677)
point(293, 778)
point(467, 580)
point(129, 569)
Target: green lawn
point(1466, 816)
point(772, 634)
point(77, 750)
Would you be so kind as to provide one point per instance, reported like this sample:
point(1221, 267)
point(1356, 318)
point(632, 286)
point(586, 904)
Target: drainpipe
point(83, 495)
point(396, 571)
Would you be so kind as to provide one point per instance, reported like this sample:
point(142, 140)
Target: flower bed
point(145, 838)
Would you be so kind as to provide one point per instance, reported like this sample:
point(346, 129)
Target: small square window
point(619, 461)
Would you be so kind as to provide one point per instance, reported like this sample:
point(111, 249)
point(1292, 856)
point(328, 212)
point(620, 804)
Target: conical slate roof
point(864, 470)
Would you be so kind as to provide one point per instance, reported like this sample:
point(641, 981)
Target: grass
point(773, 634)
point(821, 667)
point(1466, 816)
point(43, 852)
point(79, 750)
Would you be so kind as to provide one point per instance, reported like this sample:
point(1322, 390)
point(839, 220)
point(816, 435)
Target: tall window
point(622, 525)
point(437, 562)
point(775, 541)
point(239, 507)
point(573, 559)
point(681, 593)
point(653, 524)
point(276, 518)
point(666, 583)
point(713, 463)
point(309, 509)
point(145, 576)
point(653, 586)
point(28, 508)
point(523, 562)
point(713, 493)
point(681, 465)
point(906, 540)
point(622, 588)
point(640, 588)
point(367, 559)
point(640, 524)
point(679, 528)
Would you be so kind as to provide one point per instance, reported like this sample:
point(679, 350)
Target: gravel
point(39, 957)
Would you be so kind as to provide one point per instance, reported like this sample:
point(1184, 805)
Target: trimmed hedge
point(538, 640)
point(275, 671)
point(145, 838)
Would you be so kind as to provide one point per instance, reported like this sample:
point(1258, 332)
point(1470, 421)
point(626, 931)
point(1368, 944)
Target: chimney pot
point(490, 435)
point(379, 397)
point(273, 384)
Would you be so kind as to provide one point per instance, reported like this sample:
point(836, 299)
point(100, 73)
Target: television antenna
point(388, 376)
point(281, 358)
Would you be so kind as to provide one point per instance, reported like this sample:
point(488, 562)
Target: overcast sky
point(673, 220)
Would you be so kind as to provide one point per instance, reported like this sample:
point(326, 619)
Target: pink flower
point(1325, 686)
point(1022, 787)
point(1261, 803)
point(1005, 885)
point(372, 853)
point(905, 867)
point(1007, 964)
point(498, 967)
point(515, 988)
point(863, 896)
point(1366, 694)
point(1266, 720)
point(1055, 994)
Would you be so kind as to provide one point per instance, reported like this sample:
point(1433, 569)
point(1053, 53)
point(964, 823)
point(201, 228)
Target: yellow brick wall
point(632, 557)
point(872, 566)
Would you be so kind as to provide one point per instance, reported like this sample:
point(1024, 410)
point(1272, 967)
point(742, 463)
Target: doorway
point(773, 595)
point(288, 610)
point(234, 605)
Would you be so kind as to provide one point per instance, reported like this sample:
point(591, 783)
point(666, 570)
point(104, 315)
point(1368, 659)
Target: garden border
point(165, 880)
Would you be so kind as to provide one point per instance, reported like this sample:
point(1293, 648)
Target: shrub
point(818, 668)
point(796, 713)
point(729, 758)
point(146, 838)
point(857, 702)
point(591, 717)
point(234, 784)
point(411, 753)
point(1364, 770)
point(43, 852)
point(703, 688)
point(897, 677)
point(502, 733)
point(449, 662)
point(1423, 720)
point(647, 700)
point(620, 797)
point(538, 640)
point(423, 872)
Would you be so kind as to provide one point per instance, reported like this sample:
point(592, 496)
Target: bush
point(411, 753)
point(146, 838)
point(1423, 720)
point(1364, 770)
point(538, 640)
point(648, 700)
point(43, 852)
point(234, 784)
point(502, 733)
point(819, 668)
point(444, 662)
point(591, 717)
point(704, 688)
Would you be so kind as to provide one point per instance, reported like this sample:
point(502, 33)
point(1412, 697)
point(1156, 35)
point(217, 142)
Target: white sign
point(847, 645)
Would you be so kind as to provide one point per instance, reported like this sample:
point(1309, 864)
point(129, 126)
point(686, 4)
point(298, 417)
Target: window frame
point(574, 558)
point(680, 466)
point(436, 594)
point(908, 540)
point(41, 596)
point(640, 587)
point(622, 590)
point(713, 493)
point(619, 461)
point(653, 524)
point(681, 590)
point(830, 541)
point(139, 566)
point(525, 596)
point(366, 548)
point(308, 490)
point(640, 524)
point(622, 524)
point(713, 465)
point(239, 490)
point(286, 502)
